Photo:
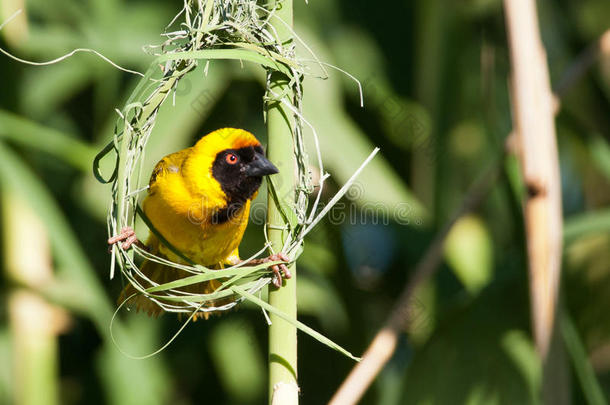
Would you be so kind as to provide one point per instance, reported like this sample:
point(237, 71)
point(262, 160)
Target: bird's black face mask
point(240, 173)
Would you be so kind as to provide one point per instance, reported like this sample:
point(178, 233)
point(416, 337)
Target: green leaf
point(584, 224)
point(345, 146)
point(496, 363)
point(238, 361)
point(299, 325)
point(600, 152)
point(33, 135)
point(122, 373)
point(318, 297)
point(469, 252)
point(580, 360)
point(47, 89)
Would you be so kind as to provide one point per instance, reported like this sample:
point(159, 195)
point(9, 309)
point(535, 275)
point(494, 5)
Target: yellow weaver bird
point(199, 201)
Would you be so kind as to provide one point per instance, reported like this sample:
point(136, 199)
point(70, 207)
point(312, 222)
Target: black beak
point(260, 166)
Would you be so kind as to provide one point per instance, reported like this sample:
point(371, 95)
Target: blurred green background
point(435, 78)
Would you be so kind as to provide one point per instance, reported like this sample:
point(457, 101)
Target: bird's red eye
point(231, 159)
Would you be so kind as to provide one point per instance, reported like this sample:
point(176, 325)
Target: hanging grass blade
point(299, 325)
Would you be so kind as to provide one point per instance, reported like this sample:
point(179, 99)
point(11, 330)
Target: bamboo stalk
point(34, 322)
point(534, 123)
point(283, 387)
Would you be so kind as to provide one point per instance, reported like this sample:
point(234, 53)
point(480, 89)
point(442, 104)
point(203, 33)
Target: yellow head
point(227, 164)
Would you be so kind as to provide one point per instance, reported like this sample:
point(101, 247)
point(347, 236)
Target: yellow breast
point(192, 231)
point(186, 217)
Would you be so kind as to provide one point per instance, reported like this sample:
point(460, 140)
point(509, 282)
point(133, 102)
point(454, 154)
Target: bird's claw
point(127, 237)
point(280, 270)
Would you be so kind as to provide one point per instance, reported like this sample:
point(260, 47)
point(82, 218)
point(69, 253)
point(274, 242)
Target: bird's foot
point(127, 237)
point(280, 270)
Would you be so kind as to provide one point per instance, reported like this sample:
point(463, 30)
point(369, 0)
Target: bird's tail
point(162, 274)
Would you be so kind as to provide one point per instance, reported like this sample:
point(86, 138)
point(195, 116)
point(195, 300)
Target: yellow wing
point(169, 165)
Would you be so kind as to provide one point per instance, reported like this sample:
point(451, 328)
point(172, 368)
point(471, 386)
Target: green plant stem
point(282, 335)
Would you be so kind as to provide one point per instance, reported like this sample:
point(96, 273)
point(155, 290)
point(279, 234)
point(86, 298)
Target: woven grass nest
point(205, 31)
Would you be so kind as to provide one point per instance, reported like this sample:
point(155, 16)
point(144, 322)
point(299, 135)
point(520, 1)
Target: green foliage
point(435, 100)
